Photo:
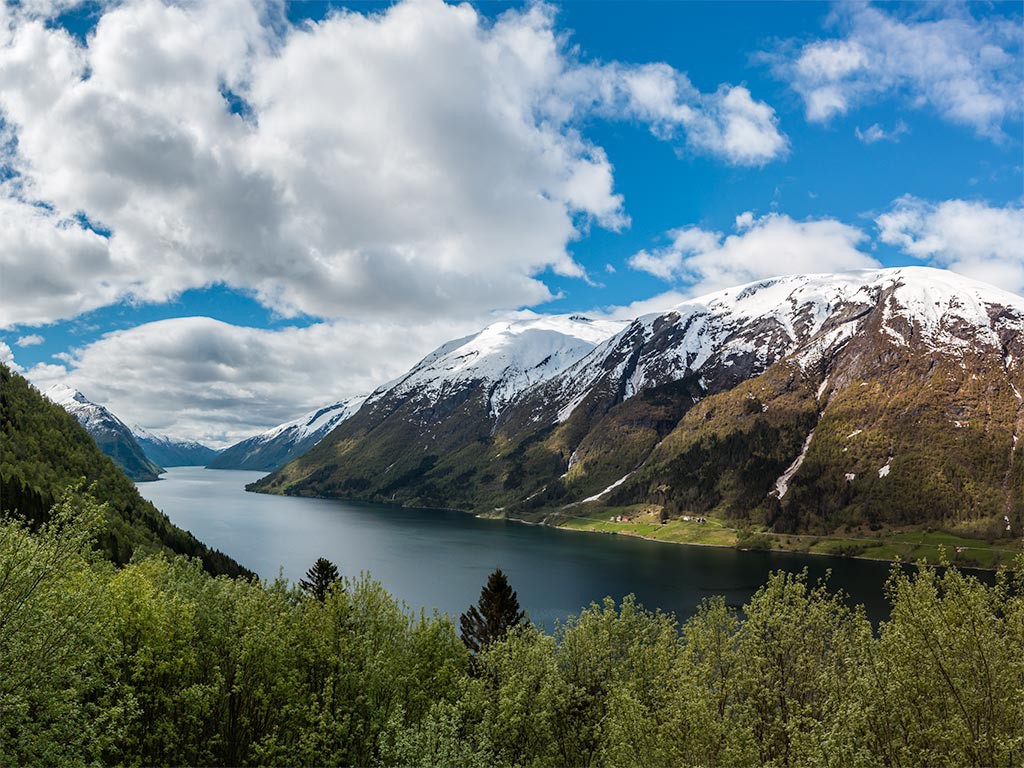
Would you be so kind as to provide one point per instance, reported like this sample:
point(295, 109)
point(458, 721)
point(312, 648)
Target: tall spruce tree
point(320, 578)
point(493, 616)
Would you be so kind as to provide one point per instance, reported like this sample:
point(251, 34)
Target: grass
point(905, 545)
point(644, 522)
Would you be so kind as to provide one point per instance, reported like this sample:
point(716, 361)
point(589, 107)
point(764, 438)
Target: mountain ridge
point(167, 451)
point(278, 445)
point(113, 436)
point(915, 336)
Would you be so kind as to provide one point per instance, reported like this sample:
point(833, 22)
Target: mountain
point(277, 446)
point(170, 452)
point(44, 451)
point(112, 435)
point(804, 403)
point(448, 404)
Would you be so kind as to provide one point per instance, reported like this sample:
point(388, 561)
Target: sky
point(216, 215)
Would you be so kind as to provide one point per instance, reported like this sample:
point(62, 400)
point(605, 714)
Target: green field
point(907, 545)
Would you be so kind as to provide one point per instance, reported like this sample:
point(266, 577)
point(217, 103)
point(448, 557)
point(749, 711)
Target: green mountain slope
point(806, 404)
point(44, 450)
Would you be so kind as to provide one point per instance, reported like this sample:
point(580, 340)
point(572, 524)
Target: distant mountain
point(277, 446)
point(169, 452)
point(44, 451)
point(111, 434)
point(448, 405)
point(811, 402)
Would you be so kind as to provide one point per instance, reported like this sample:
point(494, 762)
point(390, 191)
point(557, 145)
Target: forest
point(159, 662)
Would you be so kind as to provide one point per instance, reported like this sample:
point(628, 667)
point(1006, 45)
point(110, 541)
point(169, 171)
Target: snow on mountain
point(748, 327)
point(88, 413)
point(172, 452)
point(713, 404)
point(112, 435)
point(507, 357)
point(279, 445)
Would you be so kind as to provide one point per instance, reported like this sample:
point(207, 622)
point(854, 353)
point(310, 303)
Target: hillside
point(804, 404)
point(112, 435)
point(277, 446)
point(44, 450)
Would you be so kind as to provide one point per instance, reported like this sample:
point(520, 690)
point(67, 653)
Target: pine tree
point(493, 616)
point(320, 578)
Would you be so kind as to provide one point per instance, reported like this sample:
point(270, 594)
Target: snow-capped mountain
point(504, 358)
point(727, 336)
point(452, 399)
point(111, 434)
point(172, 452)
point(871, 397)
point(279, 445)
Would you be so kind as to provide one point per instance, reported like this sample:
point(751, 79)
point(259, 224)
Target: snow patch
point(782, 484)
point(884, 471)
point(610, 488)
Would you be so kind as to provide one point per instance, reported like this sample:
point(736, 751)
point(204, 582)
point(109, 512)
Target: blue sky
point(938, 158)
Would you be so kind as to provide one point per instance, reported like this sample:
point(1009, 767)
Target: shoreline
point(485, 516)
point(779, 550)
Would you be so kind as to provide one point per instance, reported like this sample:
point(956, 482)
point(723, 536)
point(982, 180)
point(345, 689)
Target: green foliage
point(320, 578)
point(493, 616)
point(160, 663)
point(43, 450)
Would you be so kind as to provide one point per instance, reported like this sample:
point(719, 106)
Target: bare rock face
point(808, 402)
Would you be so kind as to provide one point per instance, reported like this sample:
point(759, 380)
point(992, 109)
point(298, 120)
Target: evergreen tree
point(493, 616)
point(320, 578)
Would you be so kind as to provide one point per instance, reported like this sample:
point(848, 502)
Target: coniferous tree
point(493, 616)
point(320, 578)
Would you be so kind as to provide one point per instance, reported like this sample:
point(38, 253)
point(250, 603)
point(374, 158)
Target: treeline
point(159, 663)
point(43, 450)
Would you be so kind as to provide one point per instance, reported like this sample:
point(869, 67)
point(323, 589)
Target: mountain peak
point(62, 393)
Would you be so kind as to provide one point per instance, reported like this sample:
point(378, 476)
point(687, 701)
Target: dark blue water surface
point(440, 559)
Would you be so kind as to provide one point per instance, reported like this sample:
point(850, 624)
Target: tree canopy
point(158, 662)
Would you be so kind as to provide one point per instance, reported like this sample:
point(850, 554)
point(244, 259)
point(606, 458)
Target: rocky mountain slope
point(171, 452)
point(882, 397)
point(277, 446)
point(112, 435)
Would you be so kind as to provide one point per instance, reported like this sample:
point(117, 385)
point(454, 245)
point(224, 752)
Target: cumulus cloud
point(761, 247)
point(29, 341)
point(7, 357)
point(218, 383)
point(373, 164)
point(983, 241)
point(875, 132)
point(965, 69)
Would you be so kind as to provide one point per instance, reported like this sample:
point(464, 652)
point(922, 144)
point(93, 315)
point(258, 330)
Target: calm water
point(438, 559)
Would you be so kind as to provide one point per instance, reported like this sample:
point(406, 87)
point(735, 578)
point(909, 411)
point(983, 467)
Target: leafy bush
point(161, 663)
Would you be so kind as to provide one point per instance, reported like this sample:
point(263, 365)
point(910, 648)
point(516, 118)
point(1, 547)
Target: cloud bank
point(407, 162)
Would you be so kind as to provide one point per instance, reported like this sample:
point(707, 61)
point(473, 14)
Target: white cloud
point(417, 161)
point(965, 69)
point(875, 132)
point(29, 341)
point(215, 382)
point(982, 241)
point(762, 247)
point(7, 357)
